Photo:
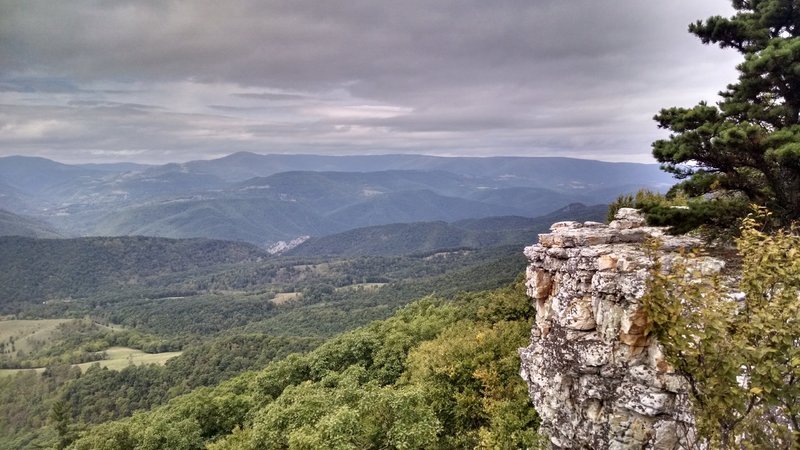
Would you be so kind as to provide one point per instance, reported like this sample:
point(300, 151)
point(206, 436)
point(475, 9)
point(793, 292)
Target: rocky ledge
point(594, 376)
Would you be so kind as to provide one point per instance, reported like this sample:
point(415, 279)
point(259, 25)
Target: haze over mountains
point(263, 199)
point(422, 237)
point(158, 260)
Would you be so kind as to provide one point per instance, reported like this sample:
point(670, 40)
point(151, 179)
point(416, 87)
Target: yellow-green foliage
point(741, 357)
point(437, 375)
point(467, 384)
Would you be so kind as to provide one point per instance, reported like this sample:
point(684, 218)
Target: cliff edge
point(594, 376)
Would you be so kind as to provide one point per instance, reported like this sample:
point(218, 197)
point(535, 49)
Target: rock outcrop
point(594, 376)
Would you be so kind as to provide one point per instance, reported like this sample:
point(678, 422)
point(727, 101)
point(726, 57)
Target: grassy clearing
point(27, 335)
point(10, 372)
point(284, 297)
point(122, 357)
point(118, 359)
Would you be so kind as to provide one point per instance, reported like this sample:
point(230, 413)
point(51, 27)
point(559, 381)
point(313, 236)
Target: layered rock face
point(594, 376)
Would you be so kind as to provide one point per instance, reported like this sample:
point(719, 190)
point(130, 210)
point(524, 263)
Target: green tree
point(471, 373)
point(741, 356)
point(747, 147)
point(61, 418)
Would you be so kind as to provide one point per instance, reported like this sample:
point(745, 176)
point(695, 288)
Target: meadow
point(118, 358)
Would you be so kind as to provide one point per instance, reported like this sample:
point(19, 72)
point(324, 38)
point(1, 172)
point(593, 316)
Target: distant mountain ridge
point(15, 225)
point(550, 171)
point(263, 199)
point(420, 237)
point(41, 269)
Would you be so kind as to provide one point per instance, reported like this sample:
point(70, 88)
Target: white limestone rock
point(594, 375)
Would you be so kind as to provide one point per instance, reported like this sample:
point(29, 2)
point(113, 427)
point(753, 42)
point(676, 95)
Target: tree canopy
point(438, 374)
point(747, 146)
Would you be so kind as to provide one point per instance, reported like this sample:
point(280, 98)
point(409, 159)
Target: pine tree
point(748, 145)
point(61, 419)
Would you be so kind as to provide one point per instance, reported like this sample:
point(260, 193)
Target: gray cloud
point(269, 96)
point(170, 79)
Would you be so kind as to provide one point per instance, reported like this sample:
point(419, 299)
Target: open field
point(122, 357)
point(284, 297)
point(118, 358)
point(27, 334)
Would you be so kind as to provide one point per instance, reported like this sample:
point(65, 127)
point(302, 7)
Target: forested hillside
point(15, 225)
point(398, 360)
point(227, 306)
point(137, 341)
point(439, 374)
point(421, 237)
point(36, 270)
point(185, 288)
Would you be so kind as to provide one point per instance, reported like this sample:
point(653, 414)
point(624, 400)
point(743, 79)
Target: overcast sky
point(174, 80)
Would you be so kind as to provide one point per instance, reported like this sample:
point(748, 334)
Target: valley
point(127, 289)
point(184, 325)
point(270, 225)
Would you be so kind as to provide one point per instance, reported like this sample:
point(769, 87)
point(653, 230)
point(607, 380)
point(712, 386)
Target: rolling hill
point(555, 173)
point(33, 175)
point(413, 206)
point(35, 270)
point(422, 237)
point(267, 198)
point(255, 220)
point(286, 205)
point(14, 225)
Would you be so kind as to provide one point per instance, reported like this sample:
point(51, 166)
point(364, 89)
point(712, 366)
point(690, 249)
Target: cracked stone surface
point(595, 377)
